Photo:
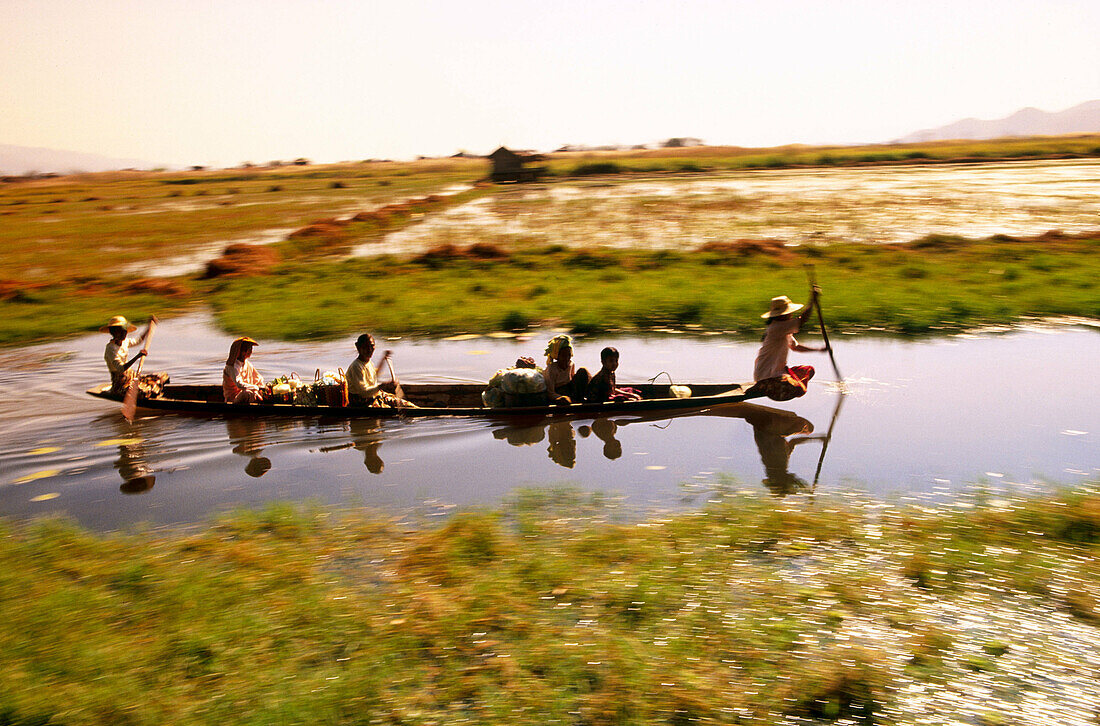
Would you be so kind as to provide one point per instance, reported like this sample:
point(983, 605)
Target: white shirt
point(771, 361)
point(117, 352)
point(362, 379)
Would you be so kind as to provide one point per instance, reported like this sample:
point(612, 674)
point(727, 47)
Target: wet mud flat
point(1004, 409)
point(802, 206)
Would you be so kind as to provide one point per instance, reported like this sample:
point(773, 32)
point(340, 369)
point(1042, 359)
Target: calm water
point(1009, 408)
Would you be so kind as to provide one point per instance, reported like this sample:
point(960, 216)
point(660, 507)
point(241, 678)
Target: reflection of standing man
point(770, 429)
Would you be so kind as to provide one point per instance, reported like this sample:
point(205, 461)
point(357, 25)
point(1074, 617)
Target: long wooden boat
point(434, 400)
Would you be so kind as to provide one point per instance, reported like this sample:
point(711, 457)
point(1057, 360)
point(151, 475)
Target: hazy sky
point(225, 81)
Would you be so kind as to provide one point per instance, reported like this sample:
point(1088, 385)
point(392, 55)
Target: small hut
point(509, 166)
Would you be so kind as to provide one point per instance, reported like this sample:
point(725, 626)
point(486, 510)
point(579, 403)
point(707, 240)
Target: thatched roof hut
point(510, 166)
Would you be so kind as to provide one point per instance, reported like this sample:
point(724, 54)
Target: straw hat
point(118, 322)
point(782, 305)
point(245, 339)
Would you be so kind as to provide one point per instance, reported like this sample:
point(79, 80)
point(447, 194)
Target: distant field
point(709, 158)
point(74, 250)
point(96, 224)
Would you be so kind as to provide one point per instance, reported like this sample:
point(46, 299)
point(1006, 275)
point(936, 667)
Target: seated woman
point(241, 383)
point(118, 347)
point(602, 386)
point(564, 385)
point(362, 377)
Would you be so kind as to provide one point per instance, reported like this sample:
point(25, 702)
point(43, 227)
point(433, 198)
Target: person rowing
point(773, 377)
point(241, 383)
point(362, 377)
point(118, 348)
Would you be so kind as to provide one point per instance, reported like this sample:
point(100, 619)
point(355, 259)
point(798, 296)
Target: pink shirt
point(556, 376)
point(771, 361)
point(239, 376)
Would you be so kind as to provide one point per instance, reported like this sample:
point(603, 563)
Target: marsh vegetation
point(654, 250)
point(815, 610)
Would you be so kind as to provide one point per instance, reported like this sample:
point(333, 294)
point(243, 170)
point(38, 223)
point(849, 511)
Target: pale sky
point(225, 81)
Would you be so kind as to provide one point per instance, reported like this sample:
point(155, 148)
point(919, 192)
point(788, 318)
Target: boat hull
point(432, 401)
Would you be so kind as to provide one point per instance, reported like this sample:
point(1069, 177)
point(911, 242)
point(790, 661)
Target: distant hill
point(16, 160)
point(1081, 119)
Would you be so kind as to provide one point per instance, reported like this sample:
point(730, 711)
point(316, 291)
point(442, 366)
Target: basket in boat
point(330, 389)
point(284, 389)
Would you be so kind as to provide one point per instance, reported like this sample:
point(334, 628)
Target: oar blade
point(129, 401)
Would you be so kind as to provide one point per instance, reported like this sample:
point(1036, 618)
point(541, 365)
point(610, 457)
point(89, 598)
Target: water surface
point(1008, 408)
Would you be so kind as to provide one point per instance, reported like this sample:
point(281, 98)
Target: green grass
point(541, 610)
point(933, 285)
point(901, 290)
point(717, 158)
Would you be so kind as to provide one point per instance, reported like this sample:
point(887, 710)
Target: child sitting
point(602, 386)
point(564, 383)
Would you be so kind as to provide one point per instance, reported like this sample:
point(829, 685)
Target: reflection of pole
point(828, 437)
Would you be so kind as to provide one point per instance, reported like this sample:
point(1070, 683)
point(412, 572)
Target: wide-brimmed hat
point(782, 305)
point(118, 322)
point(235, 348)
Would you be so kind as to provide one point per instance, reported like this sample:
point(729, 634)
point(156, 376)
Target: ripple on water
point(909, 424)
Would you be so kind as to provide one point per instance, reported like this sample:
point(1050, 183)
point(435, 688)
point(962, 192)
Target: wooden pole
point(396, 386)
point(821, 322)
point(129, 402)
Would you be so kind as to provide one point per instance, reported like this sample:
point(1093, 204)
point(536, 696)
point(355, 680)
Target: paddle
point(821, 322)
point(129, 402)
point(396, 385)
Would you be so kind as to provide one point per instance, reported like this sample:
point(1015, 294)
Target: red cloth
point(791, 384)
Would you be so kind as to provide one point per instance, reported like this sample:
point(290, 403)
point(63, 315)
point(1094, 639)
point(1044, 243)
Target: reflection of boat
point(776, 433)
point(562, 438)
point(437, 400)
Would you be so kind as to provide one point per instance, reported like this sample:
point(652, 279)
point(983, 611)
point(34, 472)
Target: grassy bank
point(546, 612)
point(935, 284)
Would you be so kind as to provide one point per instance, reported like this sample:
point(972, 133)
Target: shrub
point(599, 167)
point(590, 259)
point(515, 320)
point(242, 259)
